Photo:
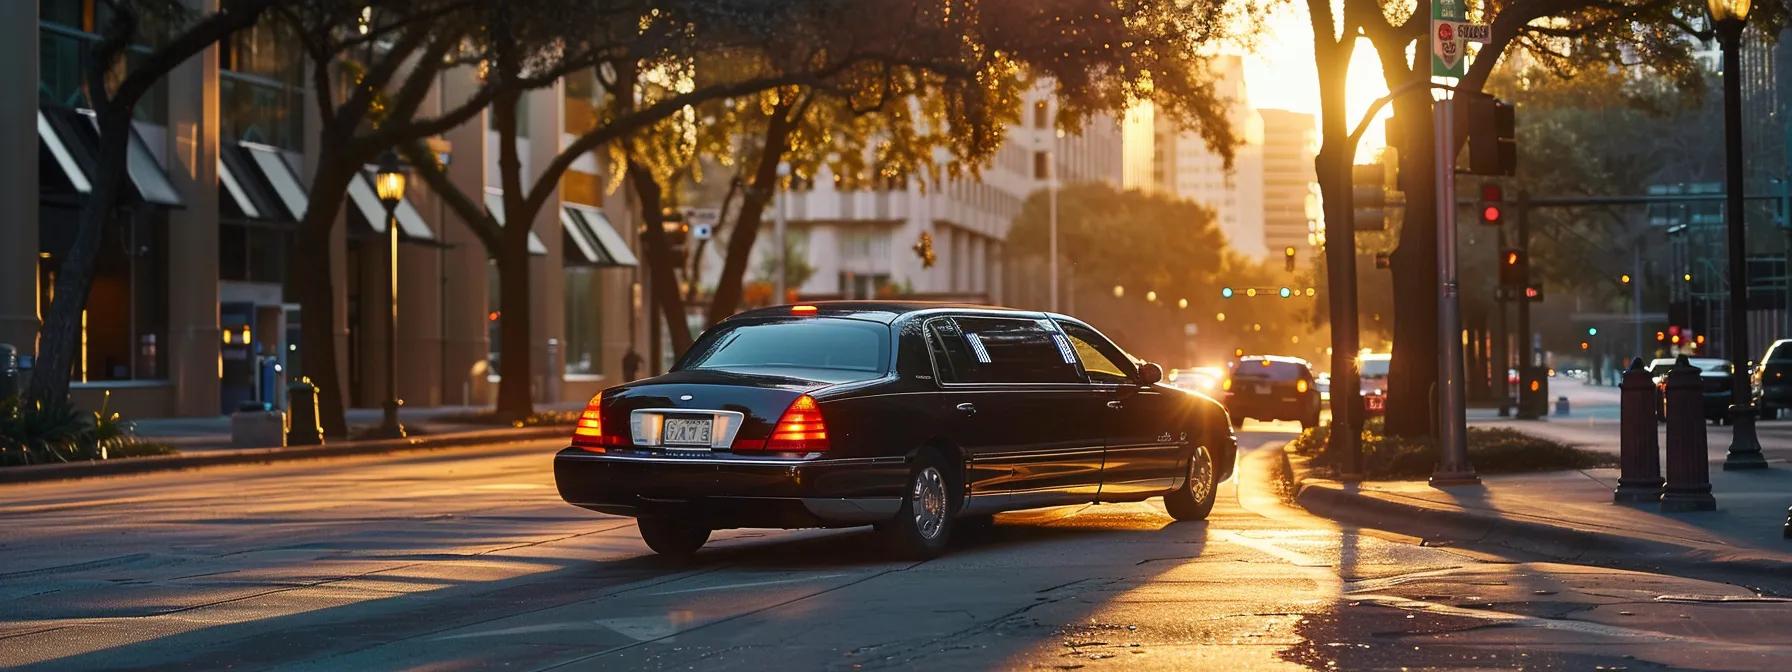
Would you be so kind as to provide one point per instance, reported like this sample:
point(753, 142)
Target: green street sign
point(1448, 56)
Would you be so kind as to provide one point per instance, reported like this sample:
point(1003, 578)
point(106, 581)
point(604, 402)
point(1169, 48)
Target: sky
point(1279, 73)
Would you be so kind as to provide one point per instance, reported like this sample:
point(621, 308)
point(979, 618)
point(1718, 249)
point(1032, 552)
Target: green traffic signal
point(1286, 293)
point(1225, 292)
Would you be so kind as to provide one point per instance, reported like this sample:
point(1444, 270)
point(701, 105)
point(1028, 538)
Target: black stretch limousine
point(911, 417)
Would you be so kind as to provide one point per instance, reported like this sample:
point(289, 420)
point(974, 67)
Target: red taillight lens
point(589, 433)
point(800, 430)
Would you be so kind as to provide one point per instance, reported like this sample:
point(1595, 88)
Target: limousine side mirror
point(1150, 374)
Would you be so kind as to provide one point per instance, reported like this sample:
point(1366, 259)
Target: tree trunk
point(661, 266)
point(515, 356)
point(1413, 372)
point(515, 347)
point(60, 336)
point(752, 211)
point(314, 283)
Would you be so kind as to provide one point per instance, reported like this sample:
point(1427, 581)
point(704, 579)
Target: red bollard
point(1639, 452)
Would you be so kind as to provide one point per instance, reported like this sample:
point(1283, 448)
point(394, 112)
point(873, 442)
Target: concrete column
point(193, 338)
point(547, 287)
point(18, 176)
point(466, 264)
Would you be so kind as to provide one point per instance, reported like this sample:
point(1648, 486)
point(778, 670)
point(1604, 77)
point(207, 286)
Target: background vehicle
point(906, 416)
point(1714, 376)
point(1270, 387)
point(1772, 386)
point(1374, 373)
point(1203, 379)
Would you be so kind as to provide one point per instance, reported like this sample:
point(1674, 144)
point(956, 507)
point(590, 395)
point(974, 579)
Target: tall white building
point(1187, 168)
point(1291, 213)
point(861, 240)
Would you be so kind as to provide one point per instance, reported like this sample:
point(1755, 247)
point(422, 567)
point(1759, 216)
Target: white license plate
point(687, 432)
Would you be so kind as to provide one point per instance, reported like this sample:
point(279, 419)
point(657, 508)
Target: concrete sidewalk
point(213, 433)
point(1569, 515)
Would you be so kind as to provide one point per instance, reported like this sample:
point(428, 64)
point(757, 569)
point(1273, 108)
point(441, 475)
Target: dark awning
point(260, 183)
point(72, 139)
point(596, 240)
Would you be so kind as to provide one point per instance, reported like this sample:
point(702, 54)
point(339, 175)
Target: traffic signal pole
point(1502, 352)
point(1453, 467)
point(1526, 356)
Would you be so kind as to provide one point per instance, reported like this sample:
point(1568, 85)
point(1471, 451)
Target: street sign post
point(1448, 60)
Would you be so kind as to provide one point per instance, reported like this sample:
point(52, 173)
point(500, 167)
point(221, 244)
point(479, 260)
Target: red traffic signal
point(1491, 197)
point(1533, 293)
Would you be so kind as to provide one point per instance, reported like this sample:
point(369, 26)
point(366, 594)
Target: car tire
point(1311, 419)
point(671, 537)
point(1194, 500)
point(924, 524)
point(1237, 421)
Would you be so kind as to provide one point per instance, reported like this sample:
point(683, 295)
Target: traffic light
point(1514, 268)
point(1491, 203)
point(1288, 259)
point(923, 248)
point(1492, 134)
point(1286, 292)
point(1369, 197)
point(1586, 346)
point(1225, 292)
point(1533, 293)
point(1624, 278)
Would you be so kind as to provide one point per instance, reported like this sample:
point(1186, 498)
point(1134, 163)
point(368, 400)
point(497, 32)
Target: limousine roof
point(882, 311)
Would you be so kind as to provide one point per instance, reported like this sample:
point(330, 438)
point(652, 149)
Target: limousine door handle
point(1115, 405)
point(967, 408)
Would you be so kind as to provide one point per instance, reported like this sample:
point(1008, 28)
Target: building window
point(65, 47)
point(1041, 114)
point(261, 86)
point(584, 348)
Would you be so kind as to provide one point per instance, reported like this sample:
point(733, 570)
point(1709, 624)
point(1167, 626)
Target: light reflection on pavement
point(467, 559)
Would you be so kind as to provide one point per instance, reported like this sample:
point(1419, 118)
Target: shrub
point(1491, 450)
point(40, 433)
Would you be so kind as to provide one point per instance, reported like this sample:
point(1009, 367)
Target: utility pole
point(1453, 467)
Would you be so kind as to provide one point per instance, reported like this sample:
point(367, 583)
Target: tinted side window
point(1003, 350)
point(950, 352)
point(1101, 360)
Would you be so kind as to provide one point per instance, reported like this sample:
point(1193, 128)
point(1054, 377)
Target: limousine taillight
point(589, 433)
point(800, 430)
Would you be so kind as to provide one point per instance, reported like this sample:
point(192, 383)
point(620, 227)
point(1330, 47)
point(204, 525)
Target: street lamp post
point(1728, 18)
point(389, 182)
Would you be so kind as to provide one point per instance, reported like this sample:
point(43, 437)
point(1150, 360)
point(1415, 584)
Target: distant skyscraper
point(1186, 167)
point(1290, 188)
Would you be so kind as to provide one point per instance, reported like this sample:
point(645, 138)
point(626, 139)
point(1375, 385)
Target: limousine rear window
point(807, 343)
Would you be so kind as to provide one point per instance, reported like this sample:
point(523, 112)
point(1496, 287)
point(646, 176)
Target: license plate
point(1261, 389)
point(687, 432)
point(1374, 403)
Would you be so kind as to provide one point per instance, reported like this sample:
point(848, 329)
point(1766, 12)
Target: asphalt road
point(466, 559)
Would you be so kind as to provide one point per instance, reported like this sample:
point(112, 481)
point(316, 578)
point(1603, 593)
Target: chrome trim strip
point(1055, 452)
point(743, 461)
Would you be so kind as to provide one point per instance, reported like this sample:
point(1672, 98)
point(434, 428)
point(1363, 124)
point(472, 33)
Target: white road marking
point(748, 584)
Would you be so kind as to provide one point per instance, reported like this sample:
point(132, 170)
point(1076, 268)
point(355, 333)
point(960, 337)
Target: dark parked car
point(1714, 378)
point(1267, 387)
point(906, 416)
point(1773, 379)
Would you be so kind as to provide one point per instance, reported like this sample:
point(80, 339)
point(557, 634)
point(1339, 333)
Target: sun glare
point(1279, 74)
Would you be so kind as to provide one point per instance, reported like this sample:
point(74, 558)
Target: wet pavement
point(466, 559)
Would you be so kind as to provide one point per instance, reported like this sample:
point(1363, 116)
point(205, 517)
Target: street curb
point(1581, 545)
point(212, 458)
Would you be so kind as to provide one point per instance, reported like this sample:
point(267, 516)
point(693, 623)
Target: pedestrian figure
point(631, 365)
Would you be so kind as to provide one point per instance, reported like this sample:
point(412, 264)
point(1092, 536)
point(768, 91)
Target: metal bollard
point(1639, 478)
point(303, 426)
point(1689, 470)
